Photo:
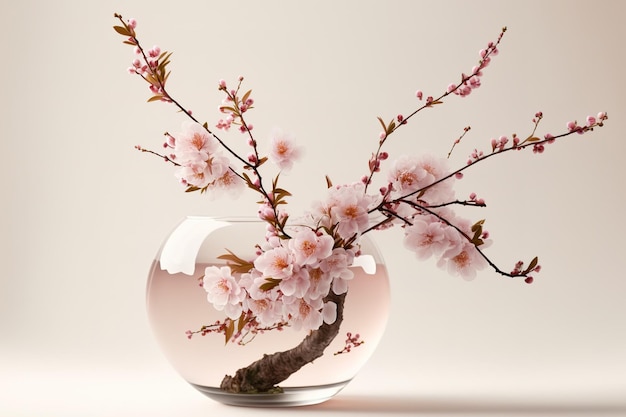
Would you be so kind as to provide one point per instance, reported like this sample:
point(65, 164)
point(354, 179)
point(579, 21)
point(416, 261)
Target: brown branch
point(266, 373)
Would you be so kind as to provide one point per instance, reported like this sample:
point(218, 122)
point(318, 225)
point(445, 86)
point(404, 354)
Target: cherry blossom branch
point(458, 140)
point(463, 89)
point(500, 146)
point(154, 72)
point(351, 342)
point(469, 239)
point(157, 78)
point(516, 145)
point(164, 157)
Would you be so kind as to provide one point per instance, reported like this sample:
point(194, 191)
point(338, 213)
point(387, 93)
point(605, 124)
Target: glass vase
point(178, 309)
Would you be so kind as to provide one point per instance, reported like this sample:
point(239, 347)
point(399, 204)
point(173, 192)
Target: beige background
point(84, 213)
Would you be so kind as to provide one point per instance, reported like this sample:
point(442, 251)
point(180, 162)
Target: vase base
point(290, 397)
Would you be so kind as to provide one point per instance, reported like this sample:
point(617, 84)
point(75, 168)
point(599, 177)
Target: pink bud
point(591, 120)
point(451, 88)
point(571, 126)
point(419, 94)
point(476, 71)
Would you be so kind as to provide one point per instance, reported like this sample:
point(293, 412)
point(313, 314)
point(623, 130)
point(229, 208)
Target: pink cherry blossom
point(266, 311)
point(305, 314)
point(409, 174)
point(202, 173)
point(228, 183)
point(193, 174)
point(338, 263)
point(266, 306)
point(348, 206)
point(463, 261)
point(284, 151)
point(296, 284)
point(337, 266)
point(223, 291)
point(319, 283)
point(277, 263)
point(426, 237)
point(405, 175)
point(194, 143)
point(309, 248)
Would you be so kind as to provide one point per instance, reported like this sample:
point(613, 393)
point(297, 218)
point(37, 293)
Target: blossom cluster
point(202, 163)
point(287, 283)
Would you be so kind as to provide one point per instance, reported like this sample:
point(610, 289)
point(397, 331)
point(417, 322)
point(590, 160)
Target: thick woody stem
point(266, 373)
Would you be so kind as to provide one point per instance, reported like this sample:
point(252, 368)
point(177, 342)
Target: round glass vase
point(177, 304)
